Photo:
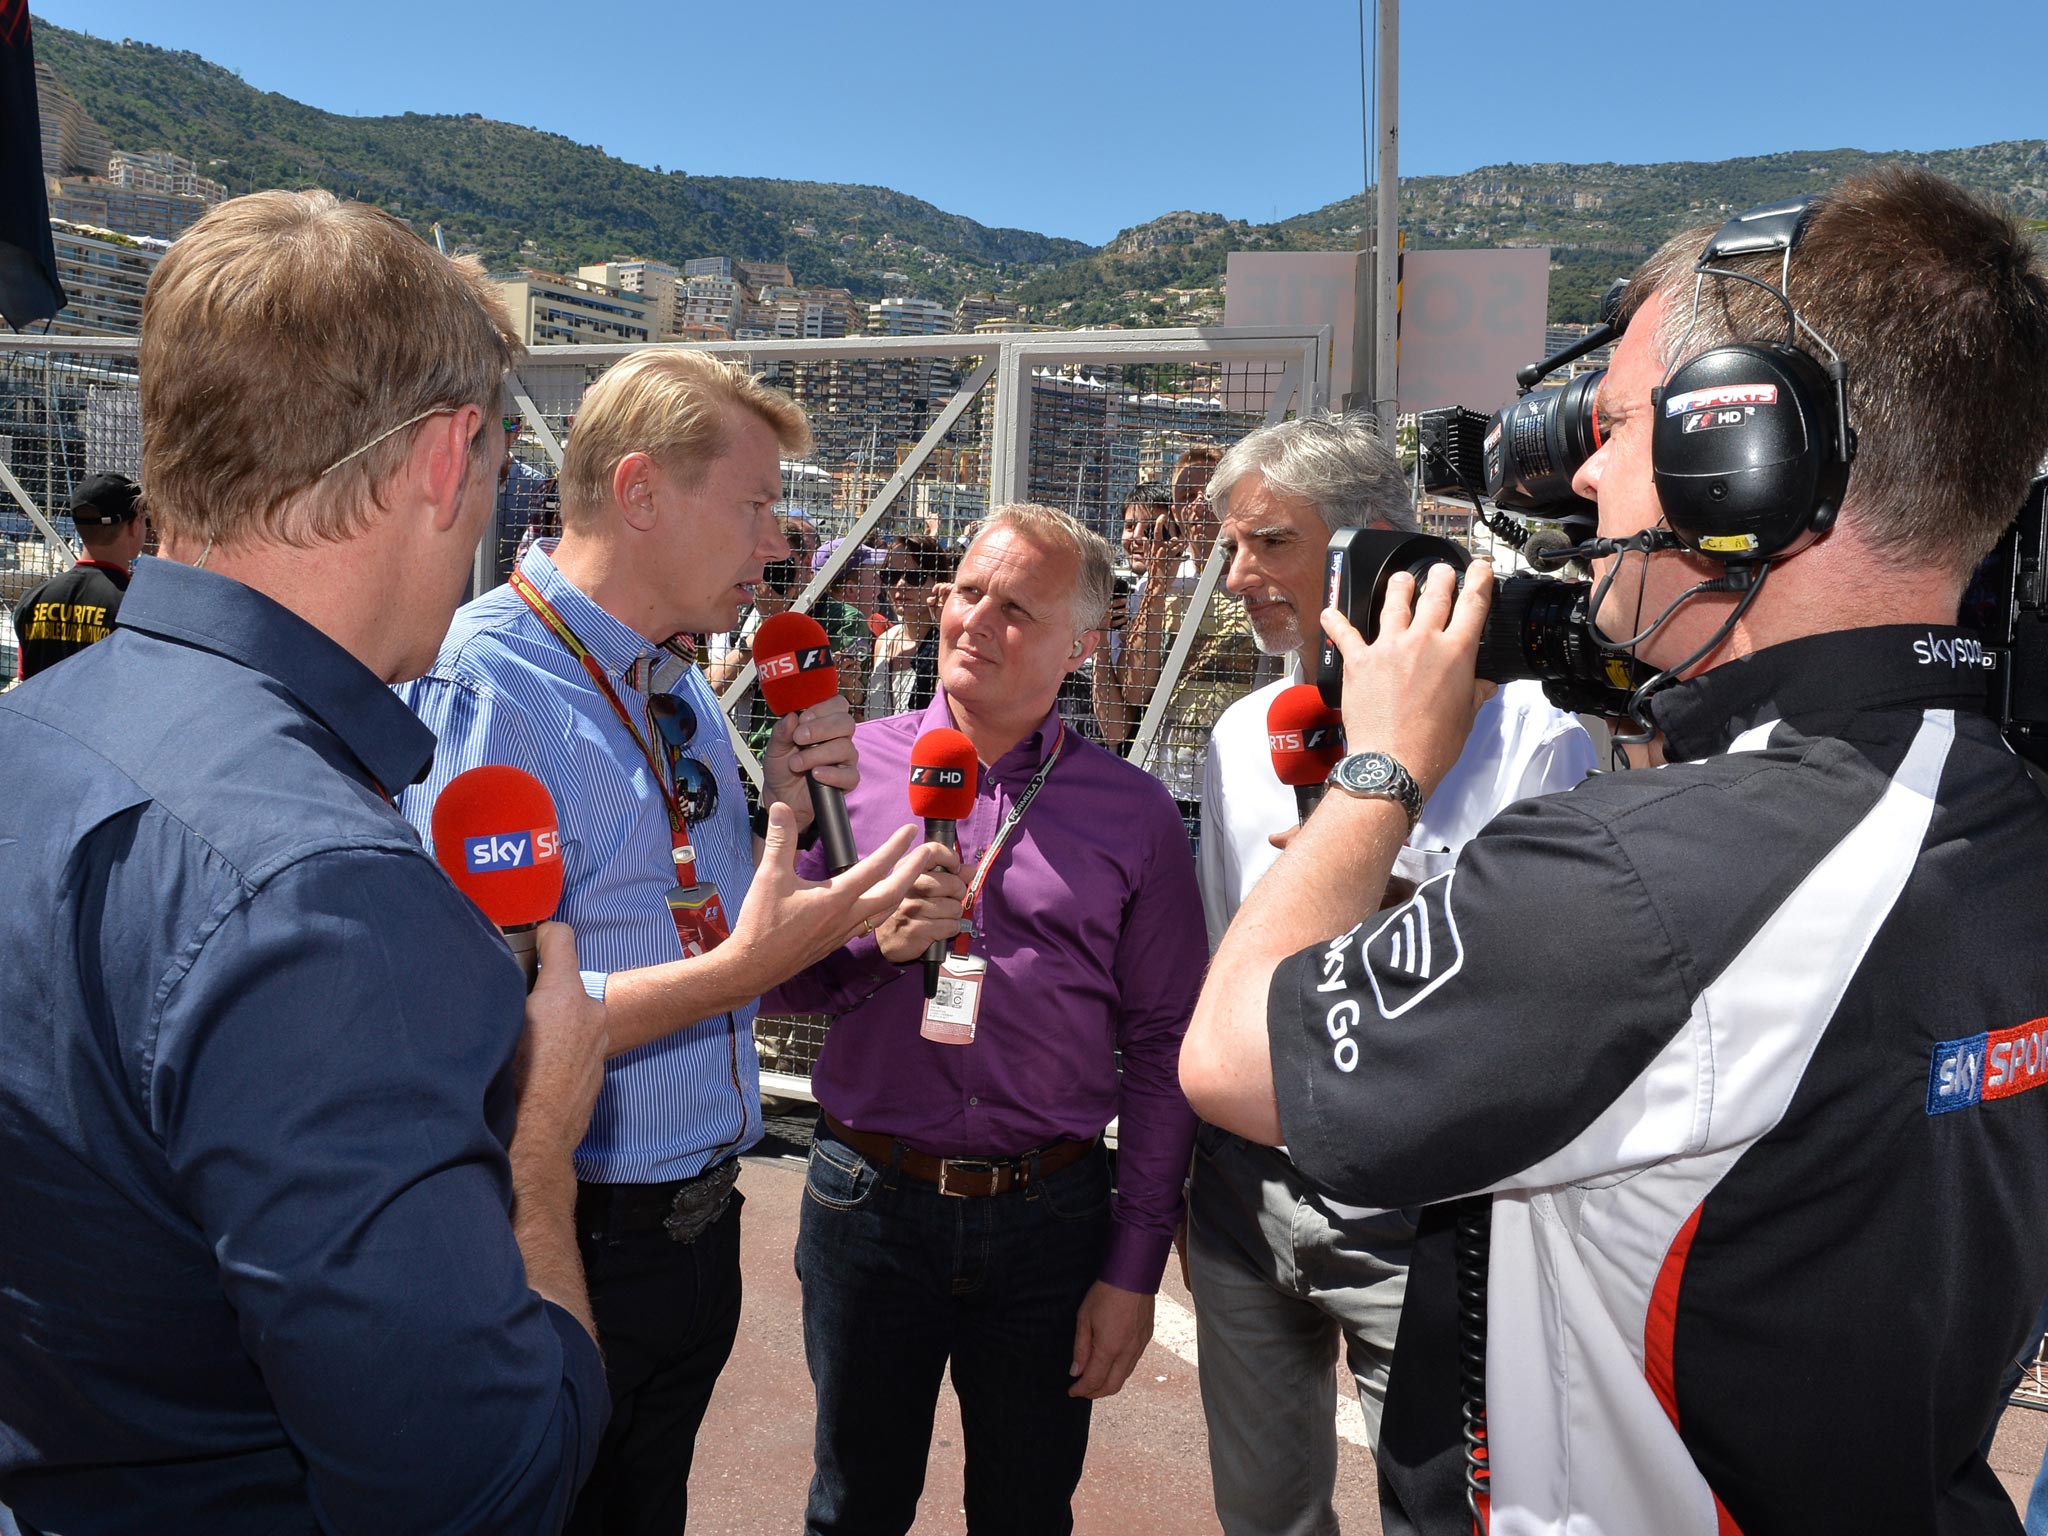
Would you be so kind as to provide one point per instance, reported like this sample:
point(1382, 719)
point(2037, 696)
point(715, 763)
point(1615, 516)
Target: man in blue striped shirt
point(669, 488)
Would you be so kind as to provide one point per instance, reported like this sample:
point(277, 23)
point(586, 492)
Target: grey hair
point(1339, 464)
point(1096, 560)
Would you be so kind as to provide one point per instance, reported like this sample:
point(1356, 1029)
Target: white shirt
point(1521, 745)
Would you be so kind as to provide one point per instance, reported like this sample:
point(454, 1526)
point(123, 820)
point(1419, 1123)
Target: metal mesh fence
point(1128, 449)
point(64, 417)
point(1099, 433)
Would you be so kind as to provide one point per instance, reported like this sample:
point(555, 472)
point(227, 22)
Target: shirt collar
point(216, 613)
point(1023, 758)
point(1876, 667)
point(615, 646)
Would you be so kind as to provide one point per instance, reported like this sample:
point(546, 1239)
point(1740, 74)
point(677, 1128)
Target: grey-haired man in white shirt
point(1280, 1273)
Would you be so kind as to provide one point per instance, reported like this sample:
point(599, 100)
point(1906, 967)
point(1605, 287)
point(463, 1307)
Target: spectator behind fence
point(67, 613)
point(1744, 1054)
point(261, 1123)
point(1221, 667)
point(525, 504)
point(1280, 1272)
point(1142, 512)
point(907, 653)
point(669, 490)
point(846, 610)
point(1087, 923)
point(727, 651)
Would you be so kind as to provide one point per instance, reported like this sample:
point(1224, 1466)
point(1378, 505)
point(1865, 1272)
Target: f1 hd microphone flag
point(29, 290)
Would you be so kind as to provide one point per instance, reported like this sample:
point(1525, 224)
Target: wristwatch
point(1374, 775)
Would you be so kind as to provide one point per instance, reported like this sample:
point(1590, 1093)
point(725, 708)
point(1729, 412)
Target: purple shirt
point(1092, 928)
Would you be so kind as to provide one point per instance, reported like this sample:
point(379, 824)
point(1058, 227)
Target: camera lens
point(1538, 628)
point(1536, 445)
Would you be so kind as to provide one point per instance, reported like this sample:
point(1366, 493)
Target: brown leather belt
point(966, 1176)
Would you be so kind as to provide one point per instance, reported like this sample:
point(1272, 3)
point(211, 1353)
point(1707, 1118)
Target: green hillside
point(519, 196)
point(1599, 221)
point(516, 195)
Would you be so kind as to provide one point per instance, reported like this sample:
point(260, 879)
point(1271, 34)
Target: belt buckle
point(948, 1165)
point(700, 1202)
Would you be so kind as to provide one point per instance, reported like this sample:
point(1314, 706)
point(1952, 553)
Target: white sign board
point(1469, 319)
point(1295, 288)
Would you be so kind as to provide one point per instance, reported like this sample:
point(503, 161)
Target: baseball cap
point(103, 500)
point(863, 554)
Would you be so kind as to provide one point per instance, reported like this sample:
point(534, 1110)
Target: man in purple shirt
point(959, 1203)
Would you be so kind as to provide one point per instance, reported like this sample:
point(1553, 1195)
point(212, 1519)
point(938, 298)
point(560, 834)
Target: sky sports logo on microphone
point(937, 777)
point(511, 850)
point(809, 658)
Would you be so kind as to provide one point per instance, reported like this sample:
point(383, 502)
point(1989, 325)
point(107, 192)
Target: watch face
point(1369, 771)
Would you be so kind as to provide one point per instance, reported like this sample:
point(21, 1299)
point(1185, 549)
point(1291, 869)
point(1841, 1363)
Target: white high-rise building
point(909, 317)
point(548, 310)
point(158, 170)
point(711, 300)
point(655, 281)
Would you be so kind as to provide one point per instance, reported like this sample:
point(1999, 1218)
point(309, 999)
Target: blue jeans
point(2036, 1513)
point(898, 1279)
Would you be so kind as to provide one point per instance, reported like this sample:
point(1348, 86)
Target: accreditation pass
point(949, 1015)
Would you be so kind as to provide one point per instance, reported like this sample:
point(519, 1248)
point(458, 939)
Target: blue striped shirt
point(506, 690)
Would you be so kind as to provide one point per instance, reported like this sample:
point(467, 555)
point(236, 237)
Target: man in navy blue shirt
point(285, 1187)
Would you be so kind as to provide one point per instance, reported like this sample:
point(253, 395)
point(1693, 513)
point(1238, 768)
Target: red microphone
point(1306, 738)
point(793, 659)
point(942, 782)
point(494, 832)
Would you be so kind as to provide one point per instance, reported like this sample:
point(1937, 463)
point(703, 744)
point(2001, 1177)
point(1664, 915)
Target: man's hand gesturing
point(789, 923)
point(929, 914)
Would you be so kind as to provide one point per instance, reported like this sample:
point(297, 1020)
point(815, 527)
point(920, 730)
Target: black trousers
point(667, 1314)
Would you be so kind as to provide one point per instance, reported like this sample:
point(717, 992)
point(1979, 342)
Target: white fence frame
point(1008, 358)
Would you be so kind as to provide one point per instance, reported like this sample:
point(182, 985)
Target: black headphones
point(1751, 443)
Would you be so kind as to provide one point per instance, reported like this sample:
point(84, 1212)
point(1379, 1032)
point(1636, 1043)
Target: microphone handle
point(828, 811)
point(524, 942)
point(941, 832)
point(1306, 798)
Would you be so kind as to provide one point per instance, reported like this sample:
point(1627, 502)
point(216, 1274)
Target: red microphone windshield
point(494, 832)
point(942, 776)
point(794, 661)
point(1304, 735)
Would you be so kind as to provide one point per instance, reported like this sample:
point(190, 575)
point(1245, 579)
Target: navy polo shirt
point(257, 1270)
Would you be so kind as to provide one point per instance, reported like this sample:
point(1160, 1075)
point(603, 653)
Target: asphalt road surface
point(1147, 1472)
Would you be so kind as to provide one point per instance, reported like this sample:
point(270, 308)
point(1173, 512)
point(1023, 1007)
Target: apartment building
point(655, 281)
point(551, 310)
point(103, 274)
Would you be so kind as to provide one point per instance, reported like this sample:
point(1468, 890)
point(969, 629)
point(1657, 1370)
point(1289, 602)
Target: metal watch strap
point(1397, 783)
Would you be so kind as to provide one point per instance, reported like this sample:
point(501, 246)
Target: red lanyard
point(1016, 814)
point(664, 778)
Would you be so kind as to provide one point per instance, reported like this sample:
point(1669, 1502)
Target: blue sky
point(1083, 118)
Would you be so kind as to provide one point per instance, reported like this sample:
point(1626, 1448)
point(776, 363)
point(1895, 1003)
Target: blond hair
point(284, 332)
point(1095, 561)
point(672, 405)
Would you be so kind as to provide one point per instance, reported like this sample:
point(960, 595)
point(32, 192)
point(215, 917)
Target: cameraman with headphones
point(1740, 1054)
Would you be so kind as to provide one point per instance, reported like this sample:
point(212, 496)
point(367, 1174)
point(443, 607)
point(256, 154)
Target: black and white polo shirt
point(1746, 1048)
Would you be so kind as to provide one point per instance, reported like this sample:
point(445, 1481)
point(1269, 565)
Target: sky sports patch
point(1993, 1065)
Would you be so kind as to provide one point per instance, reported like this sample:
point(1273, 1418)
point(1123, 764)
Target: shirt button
point(973, 1101)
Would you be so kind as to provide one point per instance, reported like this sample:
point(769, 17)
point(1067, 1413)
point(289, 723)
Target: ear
point(1085, 645)
point(442, 463)
point(633, 486)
